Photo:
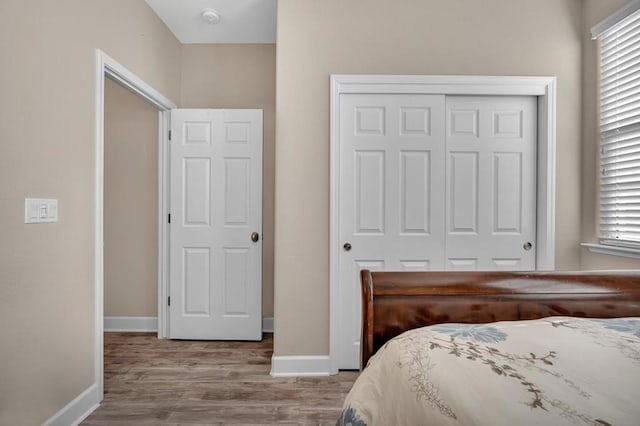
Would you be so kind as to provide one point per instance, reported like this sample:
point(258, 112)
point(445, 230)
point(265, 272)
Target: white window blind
point(620, 132)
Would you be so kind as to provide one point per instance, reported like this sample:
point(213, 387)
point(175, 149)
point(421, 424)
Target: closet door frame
point(544, 88)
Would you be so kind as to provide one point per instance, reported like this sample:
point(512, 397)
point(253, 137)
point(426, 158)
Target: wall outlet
point(40, 210)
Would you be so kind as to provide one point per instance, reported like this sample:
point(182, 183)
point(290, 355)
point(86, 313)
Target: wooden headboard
point(393, 302)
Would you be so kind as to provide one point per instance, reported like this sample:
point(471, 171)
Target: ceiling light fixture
point(210, 16)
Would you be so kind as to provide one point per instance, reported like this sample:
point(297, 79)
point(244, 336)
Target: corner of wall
point(77, 410)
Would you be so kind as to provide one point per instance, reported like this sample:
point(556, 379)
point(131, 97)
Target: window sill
point(612, 250)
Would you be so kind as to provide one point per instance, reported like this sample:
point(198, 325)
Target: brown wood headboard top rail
point(393, 302)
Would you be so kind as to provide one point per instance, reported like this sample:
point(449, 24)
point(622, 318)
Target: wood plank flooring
point(169, 382)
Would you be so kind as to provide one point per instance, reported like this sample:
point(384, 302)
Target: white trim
point(440, 84)
point(546, 179)
point(77, 410)
point(98, 226)
point(135, 84)
point(612, 250)
point(127, 324)
point(108, 67)
point(542, 87)
point(164, 125)
point(267, 324)
point(300, 366)
point(611, 20)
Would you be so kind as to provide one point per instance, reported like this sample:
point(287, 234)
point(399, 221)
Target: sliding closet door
point(491, 183)
point(429, 182)
point(391, 195)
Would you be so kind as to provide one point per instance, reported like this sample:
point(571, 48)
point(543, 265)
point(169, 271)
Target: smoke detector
point(210, 16)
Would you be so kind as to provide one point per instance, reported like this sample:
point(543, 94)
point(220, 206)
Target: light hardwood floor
point(168, 382)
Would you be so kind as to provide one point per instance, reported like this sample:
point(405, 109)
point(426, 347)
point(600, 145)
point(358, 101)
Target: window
point(620, 131)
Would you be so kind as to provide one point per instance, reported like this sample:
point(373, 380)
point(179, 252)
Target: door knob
point(527, 246)
point(255, 237)
point(347, 246)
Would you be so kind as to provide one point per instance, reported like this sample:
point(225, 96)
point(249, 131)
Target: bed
point(492, 348)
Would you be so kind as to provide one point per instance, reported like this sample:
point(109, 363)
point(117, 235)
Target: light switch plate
point(40, 210)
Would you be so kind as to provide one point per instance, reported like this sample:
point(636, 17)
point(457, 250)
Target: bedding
point(551, 371)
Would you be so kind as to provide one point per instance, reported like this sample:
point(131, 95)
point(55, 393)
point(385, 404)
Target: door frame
point(544, 88)
point(107, 67)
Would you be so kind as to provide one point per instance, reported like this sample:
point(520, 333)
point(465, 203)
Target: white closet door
point(391, 195)
point(216, 207)
point(432, 183)
point(491, 183)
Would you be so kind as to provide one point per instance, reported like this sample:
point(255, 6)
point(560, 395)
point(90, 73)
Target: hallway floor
point(149, 381)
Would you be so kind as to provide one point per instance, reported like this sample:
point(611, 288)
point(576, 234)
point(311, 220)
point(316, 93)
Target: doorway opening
point(130, 211)
point(107, 67)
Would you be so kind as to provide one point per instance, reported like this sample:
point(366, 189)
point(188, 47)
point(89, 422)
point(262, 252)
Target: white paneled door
point(216, 225)
point(432, 182)
point(491, 183)
point(391, 195)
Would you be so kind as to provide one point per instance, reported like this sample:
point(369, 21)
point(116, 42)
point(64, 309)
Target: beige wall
point(316, 39)
point(47, 143)
point(239, 76)
point(130, 204)
point(594, 12)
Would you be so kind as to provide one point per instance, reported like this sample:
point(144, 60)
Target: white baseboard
point(151, 324)
point(77, 410)
point(130, 324)
point(298, 366)
point(267, 324)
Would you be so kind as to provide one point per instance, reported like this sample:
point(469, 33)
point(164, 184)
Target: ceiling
point(240, 21)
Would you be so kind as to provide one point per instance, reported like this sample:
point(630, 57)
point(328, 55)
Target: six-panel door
point(490, 183)
point(216, 207)
point(391, 195)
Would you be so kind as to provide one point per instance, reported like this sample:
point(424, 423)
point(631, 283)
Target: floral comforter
point(553, 371)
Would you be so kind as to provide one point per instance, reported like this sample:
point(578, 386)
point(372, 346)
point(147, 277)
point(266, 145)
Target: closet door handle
point(347, 246)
